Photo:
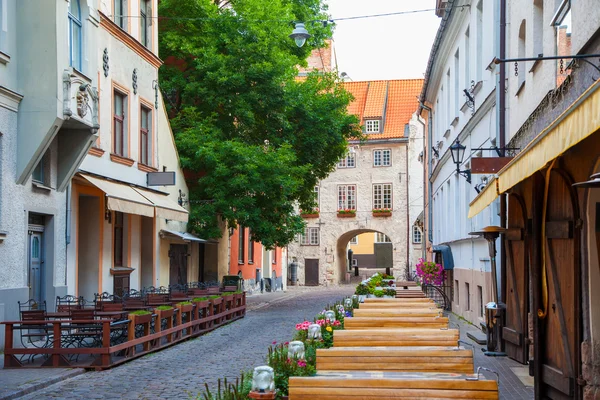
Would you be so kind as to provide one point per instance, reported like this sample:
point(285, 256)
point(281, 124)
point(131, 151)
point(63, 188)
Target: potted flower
point(139, 317)
point(362, 291)
point(164, 312)
point(346, 213)
point(389, 293)
point(382, 212)
point(185, 306)
point(312, 213)
point(378, 293)
point(429, 273)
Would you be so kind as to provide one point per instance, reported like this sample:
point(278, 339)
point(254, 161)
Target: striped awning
point(575, 124)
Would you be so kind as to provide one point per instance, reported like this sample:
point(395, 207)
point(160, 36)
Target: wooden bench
point(413, 294)
point(395, 322)
point(391, 385)
point(397, 306)
point(396, 359)
point(395, 337)
point(398, 300)
point(397, 312)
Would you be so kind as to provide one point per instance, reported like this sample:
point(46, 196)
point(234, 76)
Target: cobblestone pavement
point(181, 371)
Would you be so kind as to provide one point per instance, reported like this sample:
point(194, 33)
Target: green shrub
point(214, 296)
point(164, 308)
point(389, 292)
point(362, 289)
point(184, 303)
point(196, 299)
point(140, 312)
point(378, 293)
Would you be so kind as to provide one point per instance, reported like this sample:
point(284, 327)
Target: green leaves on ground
point(257, 139)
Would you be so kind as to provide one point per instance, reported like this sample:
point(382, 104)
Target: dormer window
point(373, 126)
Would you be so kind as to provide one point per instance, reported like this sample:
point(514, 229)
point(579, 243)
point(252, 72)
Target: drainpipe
point(67, 229)
point(408, 221)
point(427, 178)
point(502, 137)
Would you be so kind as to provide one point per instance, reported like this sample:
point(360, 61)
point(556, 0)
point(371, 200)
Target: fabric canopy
point(121, 197)
point(575, 124)
point(188, 237)
point(165, 207)
point(446, 252)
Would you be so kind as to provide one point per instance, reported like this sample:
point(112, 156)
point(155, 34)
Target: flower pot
point(311, 215)
point(201, 304)
point(185, 308)
point(346, 215)
point(382, 214)
point(361, 298)
point(140, 319)
point(370, 296)
point(162, 314)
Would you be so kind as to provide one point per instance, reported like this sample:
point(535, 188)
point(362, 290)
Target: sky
point(392, 47)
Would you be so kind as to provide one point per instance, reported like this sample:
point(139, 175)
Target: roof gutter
point(434, 50)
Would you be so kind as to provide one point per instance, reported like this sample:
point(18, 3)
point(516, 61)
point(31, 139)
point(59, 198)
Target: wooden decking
point(396, 348)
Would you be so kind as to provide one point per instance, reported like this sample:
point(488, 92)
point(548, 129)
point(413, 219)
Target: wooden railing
point(104, 343)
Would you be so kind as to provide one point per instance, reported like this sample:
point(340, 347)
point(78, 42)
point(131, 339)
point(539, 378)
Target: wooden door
point(515, 329)
point(311, 272)
point(560, 336)
point(121, 284)
point(178, 264)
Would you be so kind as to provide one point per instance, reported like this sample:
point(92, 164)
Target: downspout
point(67, 229)
point(408, 221)
point(427, 178)
point(424, 249)
point(502, 140)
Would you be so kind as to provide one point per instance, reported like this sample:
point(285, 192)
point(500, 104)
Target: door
point(121, 284)
point(178, 264)
point(36, 263)
point(311, 273)
point(560, 333)
point(515, 330)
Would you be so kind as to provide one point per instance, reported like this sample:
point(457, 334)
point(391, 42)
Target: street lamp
point(300, 34)
point(594, 182)
point(457, 151)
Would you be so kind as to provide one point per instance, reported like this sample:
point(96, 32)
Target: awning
point(121, 197)
point(446, 252)
point(188, 237)
point(165, 207)
point(575, 124)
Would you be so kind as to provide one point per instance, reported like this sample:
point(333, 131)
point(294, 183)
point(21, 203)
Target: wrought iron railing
point(437, 294)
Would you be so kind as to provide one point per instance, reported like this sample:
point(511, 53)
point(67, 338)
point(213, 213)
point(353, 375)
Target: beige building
point(370, 182)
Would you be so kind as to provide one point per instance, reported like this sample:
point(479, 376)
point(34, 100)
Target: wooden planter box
point(346, 215)
point(162, 314)
point(311, 215)
point(140, 319)
point(186, 308)
point(382, 214)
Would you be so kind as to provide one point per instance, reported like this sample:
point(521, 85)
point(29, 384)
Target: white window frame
point(75, 34)
point(381, 199)
point(381, 238)
point(381, 154)
point(317, 196)
point(310, 237)
point(354, 240)
point(349, 161)
point(347, 196)
point(373, 126)
point(354, 262)
point(417, 235)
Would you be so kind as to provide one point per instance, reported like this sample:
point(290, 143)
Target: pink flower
point(274, 342)
point(301, 363)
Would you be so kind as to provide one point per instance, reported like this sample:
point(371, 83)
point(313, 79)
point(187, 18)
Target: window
point(310, 237)
point(119, 13)
point(118, 239)
point(522, 53)
point(538, 27)
point(38, 172)
point(120, 132)
point(382, 238)
point(347, 197)
point(241, 242)
point(449, 116)
point(250, 247)
point(3, 23)
point(274, 256)
point(372, 126)
point(316, 194)
point(354, 262)
point(145, 135)
point(75, 34)
point(456, 290)
point(468, 290)
point(479, 38)
point(382, 158)
point(467, 57)
point(480, 296)
point(354, 240)
point(457, 90)
point(348, 162)
point(382, 196)
point(417, 235)
point(145, 18)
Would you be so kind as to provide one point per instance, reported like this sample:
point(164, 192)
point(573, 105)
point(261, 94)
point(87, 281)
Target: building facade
point(459, 102)
point(551, 244)
point(368, 191)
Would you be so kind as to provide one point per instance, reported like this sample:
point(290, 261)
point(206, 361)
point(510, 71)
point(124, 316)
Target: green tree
point(259, 139)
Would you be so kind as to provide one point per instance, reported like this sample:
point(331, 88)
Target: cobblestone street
point(181, 371)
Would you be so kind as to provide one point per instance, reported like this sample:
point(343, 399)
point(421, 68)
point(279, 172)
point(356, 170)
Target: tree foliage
point(259, 138)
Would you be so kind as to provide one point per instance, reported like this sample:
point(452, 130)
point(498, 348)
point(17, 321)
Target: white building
point(371, 178)
point(461, 60)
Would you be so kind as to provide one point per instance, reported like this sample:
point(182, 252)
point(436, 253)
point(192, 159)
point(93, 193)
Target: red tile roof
point(395, 101)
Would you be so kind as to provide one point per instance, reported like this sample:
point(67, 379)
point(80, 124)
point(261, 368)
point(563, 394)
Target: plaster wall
point(89, 239)
point(415, 186)
point(335, 232)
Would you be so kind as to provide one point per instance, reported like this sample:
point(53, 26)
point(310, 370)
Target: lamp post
point(494, 309)
point(300, 34)
point(457, 151)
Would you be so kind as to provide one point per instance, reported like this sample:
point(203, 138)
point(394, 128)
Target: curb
point(42, 385)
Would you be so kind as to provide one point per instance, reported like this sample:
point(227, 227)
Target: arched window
point(417, 236)
point(75, 34)
point(522, 53)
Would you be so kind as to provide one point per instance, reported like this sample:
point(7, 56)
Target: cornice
point(9, 99)
point(129, 41)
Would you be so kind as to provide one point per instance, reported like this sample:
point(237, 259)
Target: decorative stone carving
point(314, 331)
point(330, 316)
point(263, 379)
point(105, 66)
point(134, 81)
point(82, 102)
point(296, 350)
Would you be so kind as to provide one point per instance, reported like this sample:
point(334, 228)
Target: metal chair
point(68, 303)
